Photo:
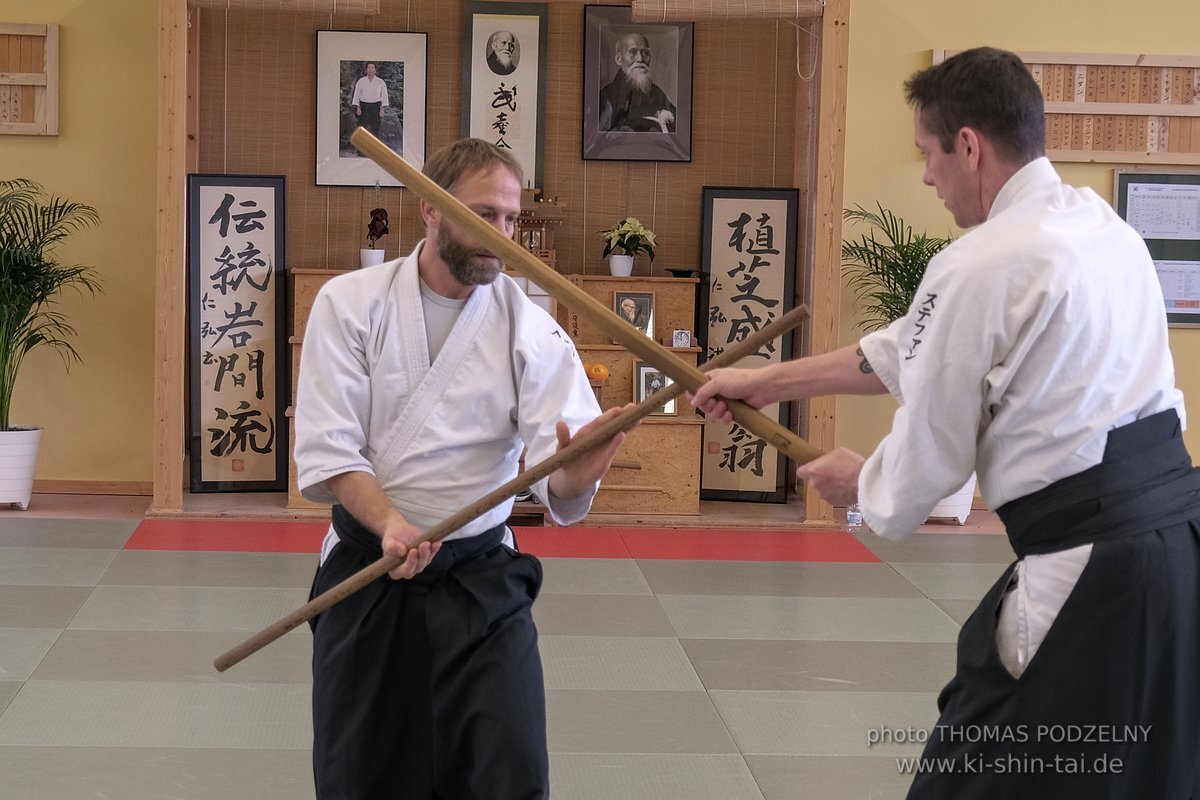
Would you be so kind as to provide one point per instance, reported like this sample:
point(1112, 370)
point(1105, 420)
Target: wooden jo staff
point(577, 448)
point(561, 289)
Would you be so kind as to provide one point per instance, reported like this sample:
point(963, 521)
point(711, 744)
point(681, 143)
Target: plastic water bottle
point(854, 517)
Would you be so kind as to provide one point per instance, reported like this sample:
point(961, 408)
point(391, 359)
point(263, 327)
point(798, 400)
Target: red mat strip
point(576, 542)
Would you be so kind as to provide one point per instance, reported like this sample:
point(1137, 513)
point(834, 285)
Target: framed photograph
point(648, 379)
point(636, 308)
point(681, 338)
point(748, 247)
point(504, 79)
point(238, 372)
point(637, 87)
point(375, 80)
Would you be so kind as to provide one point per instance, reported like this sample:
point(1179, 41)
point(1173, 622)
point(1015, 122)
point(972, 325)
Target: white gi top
point(370, 90)
point(437, 438)
point(1030, 337)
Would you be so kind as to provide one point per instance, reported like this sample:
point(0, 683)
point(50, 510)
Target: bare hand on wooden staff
point(575, 298)
point(578, 447)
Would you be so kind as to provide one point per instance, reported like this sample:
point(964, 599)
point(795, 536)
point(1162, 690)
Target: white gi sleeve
point(332, 397)
point(551, 385)
point(934, 361)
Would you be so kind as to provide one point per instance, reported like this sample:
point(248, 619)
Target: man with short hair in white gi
point(1035, 352)
point(421, 381)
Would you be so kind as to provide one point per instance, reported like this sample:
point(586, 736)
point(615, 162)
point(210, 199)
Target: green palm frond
point(885, 266)
point(31, 279)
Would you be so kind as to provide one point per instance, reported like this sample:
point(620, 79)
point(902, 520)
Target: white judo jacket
point(437, 437)
point(1030, 337)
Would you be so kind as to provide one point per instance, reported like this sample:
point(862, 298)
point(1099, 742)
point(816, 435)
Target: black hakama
point(1109, 705)
point(430, 687)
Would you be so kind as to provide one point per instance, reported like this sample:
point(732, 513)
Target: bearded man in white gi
point(421, 382)
point(1035, 352)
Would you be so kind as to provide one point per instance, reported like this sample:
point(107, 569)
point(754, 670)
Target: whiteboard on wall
point(1164, 208)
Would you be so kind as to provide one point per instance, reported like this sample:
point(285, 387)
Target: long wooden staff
point(579, 301)
point(577, 448)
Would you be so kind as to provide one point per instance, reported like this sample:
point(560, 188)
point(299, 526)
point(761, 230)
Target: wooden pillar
point(828, 187)
point(169, 272)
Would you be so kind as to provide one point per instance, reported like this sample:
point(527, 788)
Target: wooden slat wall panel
point(257, 116)
point(1119, 108)
point(28, 79)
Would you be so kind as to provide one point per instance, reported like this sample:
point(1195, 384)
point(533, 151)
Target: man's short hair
point(989, 90)
point(468, 156)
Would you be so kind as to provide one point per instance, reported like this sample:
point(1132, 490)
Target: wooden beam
point(687, 10)
point(307, 6)
point(1125, 109)
point(169, 284)
point(827, 244)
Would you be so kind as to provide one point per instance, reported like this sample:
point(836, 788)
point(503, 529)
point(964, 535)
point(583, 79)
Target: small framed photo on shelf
point(681, 339)
point(648, 379)
point(636, 308)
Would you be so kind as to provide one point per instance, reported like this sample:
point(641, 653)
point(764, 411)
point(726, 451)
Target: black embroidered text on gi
point(924, 314)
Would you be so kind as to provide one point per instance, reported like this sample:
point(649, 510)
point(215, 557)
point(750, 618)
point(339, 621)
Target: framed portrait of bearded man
point(637, 87)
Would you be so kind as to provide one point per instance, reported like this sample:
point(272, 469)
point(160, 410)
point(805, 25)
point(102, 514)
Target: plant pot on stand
point(620, 265)
point(958, 505)
point(370, 256)
point(18, 458)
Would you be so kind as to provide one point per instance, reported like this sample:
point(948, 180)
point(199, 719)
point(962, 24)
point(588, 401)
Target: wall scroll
point(747, 279)
point(237, 340)
point(504, 79)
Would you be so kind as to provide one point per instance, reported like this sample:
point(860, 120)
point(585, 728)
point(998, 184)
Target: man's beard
point(504, 58)
point(640, 78)
point(466, 266)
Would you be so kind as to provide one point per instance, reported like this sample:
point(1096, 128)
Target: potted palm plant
point(31, 226)
point(884, 271)
point(631, 237)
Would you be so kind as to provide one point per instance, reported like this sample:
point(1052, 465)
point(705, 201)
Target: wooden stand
point(305, 283)
point(666, 448)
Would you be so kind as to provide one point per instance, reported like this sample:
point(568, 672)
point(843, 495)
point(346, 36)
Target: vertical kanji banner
point(237, 333)
point(504, 79)
point(747, 279)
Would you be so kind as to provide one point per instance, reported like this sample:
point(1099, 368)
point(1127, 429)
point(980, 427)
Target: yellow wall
point(98, 420)
point(891, 39)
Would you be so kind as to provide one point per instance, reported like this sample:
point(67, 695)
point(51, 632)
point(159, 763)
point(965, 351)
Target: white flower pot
point(18, 458)
point(958, 505)
point(369, 257)
point(620, 266)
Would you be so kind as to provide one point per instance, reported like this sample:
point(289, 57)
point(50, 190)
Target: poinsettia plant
point(631, 237)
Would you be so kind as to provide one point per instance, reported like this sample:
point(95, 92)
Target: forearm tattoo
point(864, 366)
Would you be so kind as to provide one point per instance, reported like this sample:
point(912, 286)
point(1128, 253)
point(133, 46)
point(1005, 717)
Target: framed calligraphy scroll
point(637, 87)
point(504, 79)
point(747, 278)
point(237, 333)
point(375, 80)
